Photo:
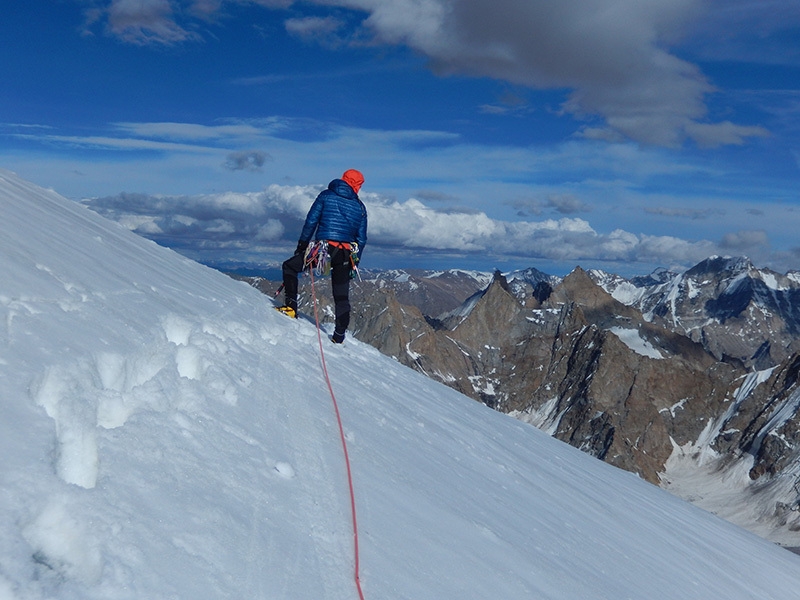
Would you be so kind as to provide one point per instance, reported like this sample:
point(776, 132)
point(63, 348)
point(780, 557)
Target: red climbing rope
point(341, 435)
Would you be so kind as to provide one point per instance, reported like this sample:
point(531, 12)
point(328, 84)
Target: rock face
point(765, 423)
point(589, 370)
point(702, 363)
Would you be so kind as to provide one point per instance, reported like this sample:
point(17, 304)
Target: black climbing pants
point(340, 283)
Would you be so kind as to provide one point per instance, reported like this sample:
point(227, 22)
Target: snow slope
point(166, 434)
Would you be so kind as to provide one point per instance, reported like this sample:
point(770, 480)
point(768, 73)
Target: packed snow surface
point(166, 434)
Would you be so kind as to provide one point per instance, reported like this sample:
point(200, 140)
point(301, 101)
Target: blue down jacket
point(337, 214)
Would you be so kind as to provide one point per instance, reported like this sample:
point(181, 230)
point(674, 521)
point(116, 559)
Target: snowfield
point(632, 339)
point(166, 434)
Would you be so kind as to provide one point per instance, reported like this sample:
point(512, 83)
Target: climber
point(338, 218)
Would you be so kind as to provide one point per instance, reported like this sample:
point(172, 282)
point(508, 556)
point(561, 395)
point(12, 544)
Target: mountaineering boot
point(337, 338)
point(287, 310)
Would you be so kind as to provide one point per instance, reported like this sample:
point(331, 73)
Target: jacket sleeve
point(361, 236)
point(312, 220)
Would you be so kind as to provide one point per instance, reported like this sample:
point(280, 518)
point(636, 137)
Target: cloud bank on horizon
point(623, 134)
point(256, 228)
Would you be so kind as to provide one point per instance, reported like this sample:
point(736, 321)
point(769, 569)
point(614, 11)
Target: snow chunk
point(177, 330)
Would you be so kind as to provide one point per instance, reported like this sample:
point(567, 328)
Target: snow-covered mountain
point(734, 309)
point(529, 282)
point(166, 434)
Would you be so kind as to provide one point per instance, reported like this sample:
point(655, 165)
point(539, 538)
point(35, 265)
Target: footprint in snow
point(285, 470)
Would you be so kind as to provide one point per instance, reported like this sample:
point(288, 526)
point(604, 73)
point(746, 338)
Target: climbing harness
point(316, 258)
point(341, 435)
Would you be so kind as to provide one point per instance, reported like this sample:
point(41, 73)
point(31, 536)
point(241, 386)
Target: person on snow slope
point(338, 218)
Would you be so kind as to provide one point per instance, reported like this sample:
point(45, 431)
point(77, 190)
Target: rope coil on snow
point(344, 441)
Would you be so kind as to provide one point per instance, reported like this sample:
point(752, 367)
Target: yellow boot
point(287, 310)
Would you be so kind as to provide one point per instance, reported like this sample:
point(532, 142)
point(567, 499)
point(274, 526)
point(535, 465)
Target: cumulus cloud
point(206, 221)
point(670, 250)
point(221, 227)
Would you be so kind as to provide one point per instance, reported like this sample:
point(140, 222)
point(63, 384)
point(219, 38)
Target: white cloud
point(671, 250)
point(270, 231)
point(194, 132)
point(244, 221)
point(114, 143)
point(159, 22)
point(412, 224)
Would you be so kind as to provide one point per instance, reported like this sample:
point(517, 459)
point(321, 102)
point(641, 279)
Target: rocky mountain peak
point(717, 265)
point(531, 283)
point(597, 304)
point(578, 284)
point(492, 313)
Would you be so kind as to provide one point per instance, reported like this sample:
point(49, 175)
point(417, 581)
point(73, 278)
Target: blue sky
point(613, 134)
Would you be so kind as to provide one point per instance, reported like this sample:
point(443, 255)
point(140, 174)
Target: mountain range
point(688, 379)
